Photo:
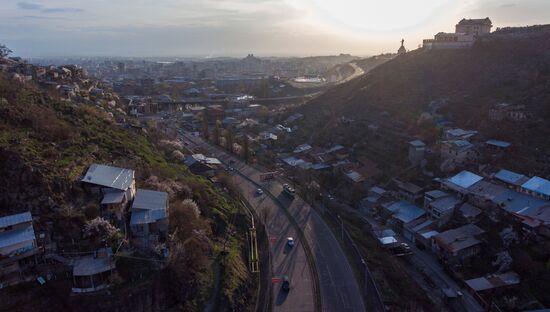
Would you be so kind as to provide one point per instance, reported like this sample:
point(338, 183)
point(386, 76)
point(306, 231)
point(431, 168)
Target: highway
point(338, 287)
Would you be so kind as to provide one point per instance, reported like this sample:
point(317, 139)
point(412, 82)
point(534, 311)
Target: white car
point(259, 191)
point(290, 241)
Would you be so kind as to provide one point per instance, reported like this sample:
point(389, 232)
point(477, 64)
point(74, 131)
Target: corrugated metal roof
point(406, 212)
point(150, 200)
point(113, 198)
point(465, 179)
point(147, 216)
point(117, 178)
point(14, 237)
point(498, 143)
point(15, 219)
point(538, 185)
point(510, 177)
point(89, 265)
point(417, 143)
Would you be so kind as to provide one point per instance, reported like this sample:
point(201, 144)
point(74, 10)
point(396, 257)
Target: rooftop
point(15, 219)
point(113, 177)
point(150, 200)
point(493, 281)
point(90, 265)
point(497, 143)
point(465, 179)
point(538, 185)
point(510, 177)
point(405, 212)
point(14, 237)
point(459, 238)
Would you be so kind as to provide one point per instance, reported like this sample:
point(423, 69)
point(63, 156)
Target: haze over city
point(237, 27)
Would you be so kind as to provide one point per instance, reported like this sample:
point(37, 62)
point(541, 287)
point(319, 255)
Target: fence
point(371, 294)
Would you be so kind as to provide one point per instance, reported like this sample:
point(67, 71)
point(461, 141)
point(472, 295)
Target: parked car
point(289, 190)
point(286, 283)
point(259, 191)
point(290, 241)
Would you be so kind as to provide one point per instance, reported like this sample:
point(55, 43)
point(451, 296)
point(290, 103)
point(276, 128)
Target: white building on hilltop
point(466, 32)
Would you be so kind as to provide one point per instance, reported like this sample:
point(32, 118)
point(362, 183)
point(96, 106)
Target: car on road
point(290, 241)
point(285, 284)
point(259, 191)
point(289, 190)
point(401, 250)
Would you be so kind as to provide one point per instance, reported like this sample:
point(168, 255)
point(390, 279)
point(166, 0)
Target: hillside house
point(417, 150)
point(92, 272)
point(440, 205)
point(476, 27)
point(202, 165)
point(515, 113)
point(105, 179)
point(18, 248)
point(149, 218)
point(408, 191)
point(458, 151)
point(458, 245)
point(401, 215)
point(537, 187)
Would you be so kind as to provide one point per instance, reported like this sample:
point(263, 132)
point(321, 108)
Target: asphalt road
point(338, 286)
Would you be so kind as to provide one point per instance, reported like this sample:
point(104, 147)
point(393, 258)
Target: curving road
point(338, 287)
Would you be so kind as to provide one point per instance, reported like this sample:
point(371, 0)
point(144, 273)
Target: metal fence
point(371, 294)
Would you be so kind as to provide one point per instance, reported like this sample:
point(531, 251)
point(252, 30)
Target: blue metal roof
point(538, 185)
point(15, 219)
point(117, 178)
point(406, 212)
point(509, 176)
point(465, 179)
point(147, 216)
point(499, 143)
point(14, 237)
point(150, 200)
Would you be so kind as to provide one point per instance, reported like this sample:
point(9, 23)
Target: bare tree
point(4, 51)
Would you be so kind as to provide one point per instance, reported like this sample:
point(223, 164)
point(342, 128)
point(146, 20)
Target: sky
point(214, 28)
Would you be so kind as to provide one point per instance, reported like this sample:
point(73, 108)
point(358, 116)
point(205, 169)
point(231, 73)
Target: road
point(338, 287)
point(358, 72)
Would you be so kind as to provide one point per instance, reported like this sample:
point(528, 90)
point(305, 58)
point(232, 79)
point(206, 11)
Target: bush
point(91, 211)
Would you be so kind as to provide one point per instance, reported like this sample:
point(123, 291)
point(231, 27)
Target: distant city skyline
point(216, 28)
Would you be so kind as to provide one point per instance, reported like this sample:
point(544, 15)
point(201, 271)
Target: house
point(202, 165)
point(417, 150)
point(469, 212)
point(497, 145)
point(408, 191)
point(149, 218)
point(515, 113)
point(493, 283)
point(302, 148)
point(537, 187)
point(106, 179)
point(458, 151)
point(461, 182)
point(374, 195)
point(476, 27)
point(458, 245)
point(511, 179)
point(458, 134)
point(414, 229)
point(440, 206)
point(401, 214)
point(18, 248)
point(92, 272)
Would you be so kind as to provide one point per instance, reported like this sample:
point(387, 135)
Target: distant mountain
point(511, 65)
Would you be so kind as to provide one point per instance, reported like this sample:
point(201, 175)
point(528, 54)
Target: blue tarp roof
point(538, 185)
point(509, 176)
point(406, 212)
point(465, 179)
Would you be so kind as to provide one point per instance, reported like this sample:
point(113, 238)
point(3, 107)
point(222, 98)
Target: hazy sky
point(238, 27)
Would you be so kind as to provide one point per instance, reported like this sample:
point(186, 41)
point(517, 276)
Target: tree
point(229, 140)
point(217, 133)
point(4, 51)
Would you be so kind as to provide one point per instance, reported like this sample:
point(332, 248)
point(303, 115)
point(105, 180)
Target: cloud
point(38, 7)
point(29, 6)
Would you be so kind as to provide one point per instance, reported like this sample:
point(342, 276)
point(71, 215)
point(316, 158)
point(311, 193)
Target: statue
point(402, 49)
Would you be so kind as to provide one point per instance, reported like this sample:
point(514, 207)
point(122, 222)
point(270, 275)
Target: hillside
point(46, 145)
point(512, 66)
